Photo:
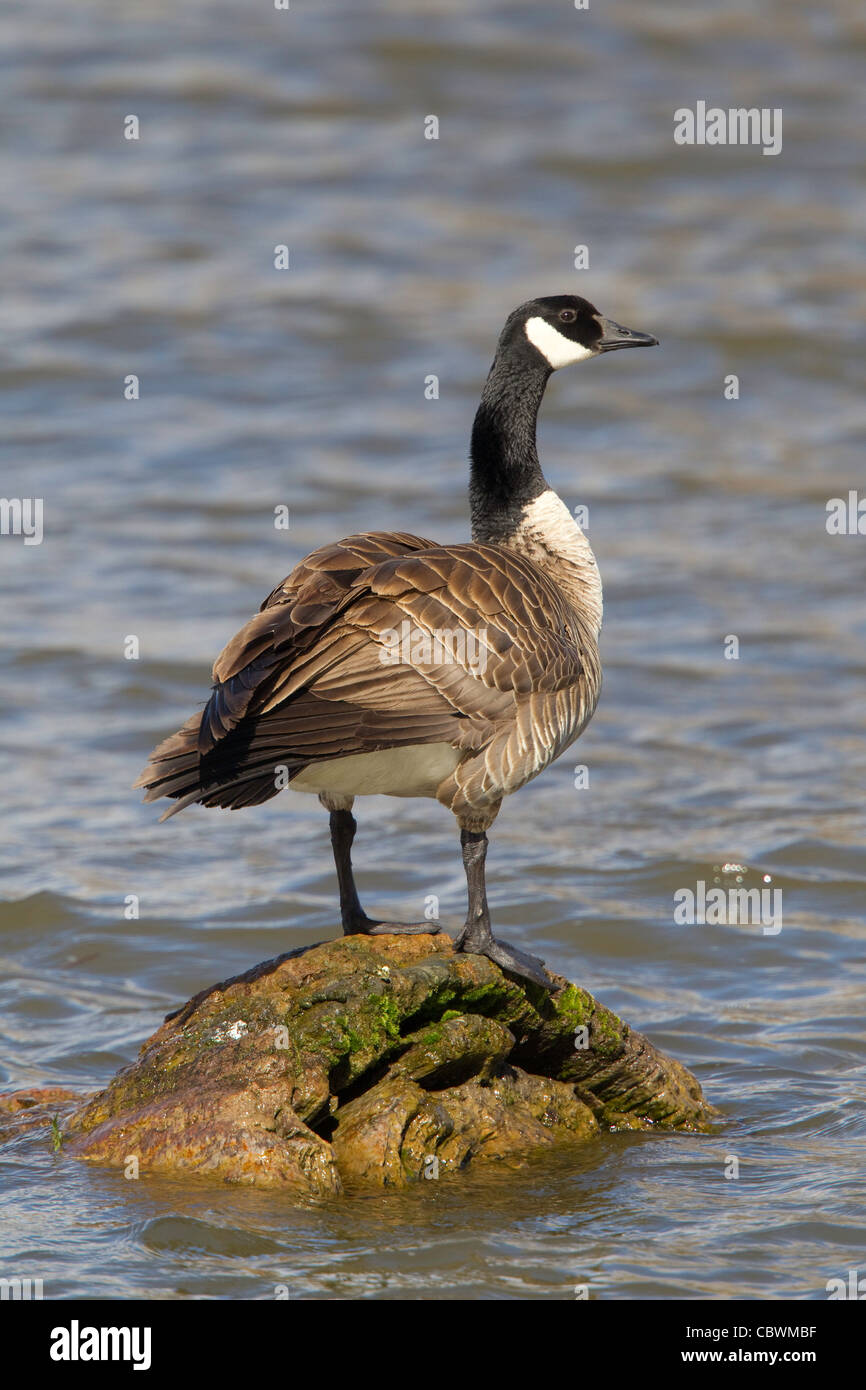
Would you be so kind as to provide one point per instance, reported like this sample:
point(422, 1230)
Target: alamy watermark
point(21, 1289)
point(854, 1287)
point(739, 125)
point(416, 646)
point(77, 1343)
point(717, 906)
point(846, 516)
point(22, 516)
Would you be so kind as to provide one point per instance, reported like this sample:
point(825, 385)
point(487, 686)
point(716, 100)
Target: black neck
point(506, 473)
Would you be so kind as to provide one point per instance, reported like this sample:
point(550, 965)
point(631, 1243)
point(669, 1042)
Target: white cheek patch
point(559, 350)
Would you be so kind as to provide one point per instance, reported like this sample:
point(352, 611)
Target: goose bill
point(613, 335)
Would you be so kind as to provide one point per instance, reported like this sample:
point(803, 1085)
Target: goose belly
point(414, 771)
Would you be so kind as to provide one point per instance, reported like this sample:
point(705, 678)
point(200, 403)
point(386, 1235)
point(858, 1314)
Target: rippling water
point(306, 388)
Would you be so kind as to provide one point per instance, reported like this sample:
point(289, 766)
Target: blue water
point(306, 388)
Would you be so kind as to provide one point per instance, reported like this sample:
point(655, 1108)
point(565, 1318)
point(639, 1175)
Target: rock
point(14, 1102)
point(375, 1061)
point(22, 1110)
point(454, 1049)
point(397, 1132)
point(246, 1136)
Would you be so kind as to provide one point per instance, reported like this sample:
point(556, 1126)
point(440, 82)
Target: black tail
point(230, 775)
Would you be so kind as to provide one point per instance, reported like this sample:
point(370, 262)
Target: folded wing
point(313, 676)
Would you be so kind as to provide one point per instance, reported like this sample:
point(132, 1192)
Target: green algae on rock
point(366, 1060)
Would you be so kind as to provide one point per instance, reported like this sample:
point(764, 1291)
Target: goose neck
point(506, 474)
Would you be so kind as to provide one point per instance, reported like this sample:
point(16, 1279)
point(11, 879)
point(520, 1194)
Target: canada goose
point(340, 685)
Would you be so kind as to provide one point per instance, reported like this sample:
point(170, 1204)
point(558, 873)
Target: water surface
point(306, 388)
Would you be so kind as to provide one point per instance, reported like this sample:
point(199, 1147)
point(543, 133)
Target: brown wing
point(216, 743)
point(542, 677)
point(306, 681)
point(293, 619)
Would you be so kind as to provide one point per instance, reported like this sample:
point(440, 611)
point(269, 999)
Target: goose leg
point(355, 920)
point(476, 937)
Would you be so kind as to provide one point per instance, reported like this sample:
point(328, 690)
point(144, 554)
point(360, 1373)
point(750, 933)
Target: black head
point(562, 329)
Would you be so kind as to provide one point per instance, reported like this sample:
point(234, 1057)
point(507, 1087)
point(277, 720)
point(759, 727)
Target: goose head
point(563, 329)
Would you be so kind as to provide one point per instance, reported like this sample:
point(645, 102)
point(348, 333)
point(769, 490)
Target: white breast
point(548, 535)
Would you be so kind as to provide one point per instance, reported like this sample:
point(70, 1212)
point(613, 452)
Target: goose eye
point(567, 315)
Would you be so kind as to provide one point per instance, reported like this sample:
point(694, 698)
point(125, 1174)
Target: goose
point(387, 663)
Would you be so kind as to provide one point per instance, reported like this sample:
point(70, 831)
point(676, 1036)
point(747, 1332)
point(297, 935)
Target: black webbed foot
point(507, 957)
point(362, 925)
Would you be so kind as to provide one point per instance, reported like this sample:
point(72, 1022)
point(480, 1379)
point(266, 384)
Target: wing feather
point(310, 677)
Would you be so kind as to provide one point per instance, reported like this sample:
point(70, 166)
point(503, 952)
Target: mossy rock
point(374, 1061)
